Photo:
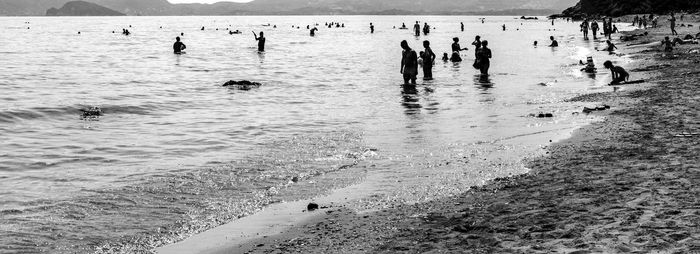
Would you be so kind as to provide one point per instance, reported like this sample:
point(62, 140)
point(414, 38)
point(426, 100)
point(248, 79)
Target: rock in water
point(242, 85)
point(312, 207)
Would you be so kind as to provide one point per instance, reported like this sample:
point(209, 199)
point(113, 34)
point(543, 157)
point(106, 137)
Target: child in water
point(445, 57)
point(619, 74)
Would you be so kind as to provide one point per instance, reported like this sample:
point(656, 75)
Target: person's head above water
point(608, 64)
point(455, 39)
point(426, 44)
point(404, 45)
point(535, 43)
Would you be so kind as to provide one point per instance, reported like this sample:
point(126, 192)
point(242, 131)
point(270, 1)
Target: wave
point(17, 115)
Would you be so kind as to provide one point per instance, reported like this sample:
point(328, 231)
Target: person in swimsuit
point(409, 64)
point(178, 47)
point(428, 60)
point(484, 58)
point(261, 41)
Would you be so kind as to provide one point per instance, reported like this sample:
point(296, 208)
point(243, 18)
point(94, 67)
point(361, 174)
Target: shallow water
point(176, 153)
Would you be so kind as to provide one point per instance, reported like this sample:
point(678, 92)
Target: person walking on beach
point(584, 29)
point(409, 64)
point(178, 47)
point(484, 58)
point(371, 28)
point(416, 28)
point(261, 41)
point(428, 60)
point(619, 74)
point(673, 24)
point(594, 29)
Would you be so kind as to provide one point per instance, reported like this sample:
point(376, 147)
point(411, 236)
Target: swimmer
point(535, 43)
point(619, 75)
point(178, 47)
point(445, 57)
point(261, 41)
point(554, 42)
point(313, 31)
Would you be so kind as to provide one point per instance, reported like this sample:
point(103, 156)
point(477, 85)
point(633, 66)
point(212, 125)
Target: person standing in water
point(484, 58)
point(504, 27)
point(416, 28)
point(477, 45)
point(409, 64)
point(313, 31)
point(428, 60)
point(261, 41)
point(462, 25)
point(178, 47)
point(371, 28)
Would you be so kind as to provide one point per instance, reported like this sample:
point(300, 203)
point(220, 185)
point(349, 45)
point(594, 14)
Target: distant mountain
point(297, 7)
point(623, 7)
point(81, 8)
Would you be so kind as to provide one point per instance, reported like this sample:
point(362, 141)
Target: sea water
point(175, 153)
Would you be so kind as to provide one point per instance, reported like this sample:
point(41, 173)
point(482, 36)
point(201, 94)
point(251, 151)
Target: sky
point(206, 1)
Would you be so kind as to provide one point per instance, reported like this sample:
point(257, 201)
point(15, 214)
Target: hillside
point(623, 7)
point(82, 8)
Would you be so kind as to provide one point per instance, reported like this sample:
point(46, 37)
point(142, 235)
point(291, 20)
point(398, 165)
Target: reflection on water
point(483, 81)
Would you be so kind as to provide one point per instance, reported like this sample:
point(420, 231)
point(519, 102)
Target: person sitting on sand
point(261, 41)
point(611, 47)
point(619, 75)
point(668, 45)
point(554, 42)
point(409, 63)
point(178, 47)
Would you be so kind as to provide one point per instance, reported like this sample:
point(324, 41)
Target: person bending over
point(619, 74)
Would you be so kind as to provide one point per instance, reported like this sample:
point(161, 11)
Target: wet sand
point(626, 184)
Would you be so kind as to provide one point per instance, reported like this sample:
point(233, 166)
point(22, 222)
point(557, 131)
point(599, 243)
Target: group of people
point(410, 60)
point(608, 28)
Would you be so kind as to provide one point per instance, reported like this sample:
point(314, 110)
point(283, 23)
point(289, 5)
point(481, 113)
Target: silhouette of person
point(477, 45)
point(371, 28)
point(428, 60)
point(584, 29)
point(611, 47)
point(594, 29)
point(313, 31)
point(554, 42)
point(619, 74)
point(409, 64)
point(462, 25)
point(178, 46)
point(261, 41)
point(484, 58)
point(416, 28)
point(673, 24)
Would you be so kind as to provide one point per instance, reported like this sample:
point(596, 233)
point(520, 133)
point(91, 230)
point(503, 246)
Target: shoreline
point(628, 183)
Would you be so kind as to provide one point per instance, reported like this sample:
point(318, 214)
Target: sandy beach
point(626, 184)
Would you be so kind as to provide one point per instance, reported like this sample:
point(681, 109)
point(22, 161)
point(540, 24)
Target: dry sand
point(627, 184)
